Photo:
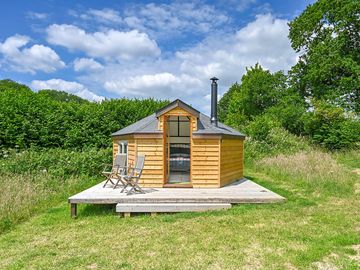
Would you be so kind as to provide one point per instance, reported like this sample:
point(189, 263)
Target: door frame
point(166, 151)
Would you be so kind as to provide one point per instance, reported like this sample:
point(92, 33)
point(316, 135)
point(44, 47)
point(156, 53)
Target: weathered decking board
point(169, 207)
point(242, 191)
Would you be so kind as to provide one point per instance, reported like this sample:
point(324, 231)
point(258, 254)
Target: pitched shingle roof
point(149, 125)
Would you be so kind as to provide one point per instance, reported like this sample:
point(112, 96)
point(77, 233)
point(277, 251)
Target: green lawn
point(318, 227)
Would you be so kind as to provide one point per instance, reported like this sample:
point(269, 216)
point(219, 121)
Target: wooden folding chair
point(117, 170)
point(133, 176)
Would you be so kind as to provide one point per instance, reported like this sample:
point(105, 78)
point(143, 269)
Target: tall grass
point(278, 141)
point(314, 173)
point(33, 180)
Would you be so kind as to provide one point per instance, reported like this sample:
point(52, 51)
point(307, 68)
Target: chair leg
point(124, 188)
point(107, 181)
point(136, 184)
point(116, 184)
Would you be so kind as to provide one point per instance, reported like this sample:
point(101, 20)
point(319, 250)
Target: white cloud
point(186, 74)
point(31, 59)
point(67, 86)
point(165, 85)
point(105, 15)
point(109, 45)
point(87, 64)
point(37, 15)
point(179, 17)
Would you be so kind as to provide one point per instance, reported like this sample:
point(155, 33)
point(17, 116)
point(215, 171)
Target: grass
point(32, 181)
point(318, 227)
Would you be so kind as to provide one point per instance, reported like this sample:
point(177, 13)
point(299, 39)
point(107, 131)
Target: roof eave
point(218, 135)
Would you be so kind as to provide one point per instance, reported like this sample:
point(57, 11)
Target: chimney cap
point(214, 79)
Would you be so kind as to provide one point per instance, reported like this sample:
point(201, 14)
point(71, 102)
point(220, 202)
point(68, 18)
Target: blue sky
point(161, 49)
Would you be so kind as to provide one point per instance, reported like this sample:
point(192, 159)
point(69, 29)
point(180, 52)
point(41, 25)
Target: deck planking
point(242, 191)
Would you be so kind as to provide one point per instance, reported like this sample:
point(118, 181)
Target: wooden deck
point(242, 191)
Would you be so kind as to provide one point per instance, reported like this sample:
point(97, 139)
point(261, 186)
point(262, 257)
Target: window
point(123, 149)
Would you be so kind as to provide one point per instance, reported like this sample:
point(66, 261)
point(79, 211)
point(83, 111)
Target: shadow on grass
point(96, 210)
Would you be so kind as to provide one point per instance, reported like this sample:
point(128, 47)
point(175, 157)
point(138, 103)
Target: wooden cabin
point(183, 148)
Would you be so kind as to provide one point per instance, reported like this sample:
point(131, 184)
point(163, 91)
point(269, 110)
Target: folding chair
point(133, 176)
point(117, 170)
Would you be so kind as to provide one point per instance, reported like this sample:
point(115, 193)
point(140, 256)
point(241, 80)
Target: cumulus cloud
point(30, 59)
point(87, 64)
point(263, 40)
point(165, 85)
point(109, 45)
point(186, 73)
point(74, 88)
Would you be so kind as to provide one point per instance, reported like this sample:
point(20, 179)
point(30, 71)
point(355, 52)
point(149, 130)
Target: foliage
point(61, 96)
point(223, 106)
point(259, 90)
point(332, 127)
point(60, 163)
point(51, 119)
point(327, 35)
point(273, 141)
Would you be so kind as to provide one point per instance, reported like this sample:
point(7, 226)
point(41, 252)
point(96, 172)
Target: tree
point(61, 96)
point(327, 36)
point(259, 90)
point(223, 107)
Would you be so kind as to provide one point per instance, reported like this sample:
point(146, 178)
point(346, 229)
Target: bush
point(332, 127)
point(278, 140)
point(60, 163)
point(260, 128)
point(55, 119)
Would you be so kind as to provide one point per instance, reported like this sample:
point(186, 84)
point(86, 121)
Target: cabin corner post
point(73, 210)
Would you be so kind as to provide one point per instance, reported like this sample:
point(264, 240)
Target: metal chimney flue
point(214, 88)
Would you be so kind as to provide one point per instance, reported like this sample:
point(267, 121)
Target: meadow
point(317, 227)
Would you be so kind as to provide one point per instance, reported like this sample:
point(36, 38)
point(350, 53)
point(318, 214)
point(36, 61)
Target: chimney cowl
point(214, 88)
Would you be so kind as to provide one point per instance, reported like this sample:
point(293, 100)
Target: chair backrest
point(139, 165)
point(119, 162)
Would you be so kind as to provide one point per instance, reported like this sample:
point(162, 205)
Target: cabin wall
point(153, 150)
point(153, 173)
point(205, 163)
point(131, 147)
point(231, 160)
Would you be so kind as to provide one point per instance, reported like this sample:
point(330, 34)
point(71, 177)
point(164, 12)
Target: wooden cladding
point(214, 162)
point(205, 163)
point(232, 161)
point(153, 174)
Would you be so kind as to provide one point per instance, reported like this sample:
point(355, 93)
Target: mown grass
point(318, 227)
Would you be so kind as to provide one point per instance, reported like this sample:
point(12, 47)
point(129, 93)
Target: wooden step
point(169, 207)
